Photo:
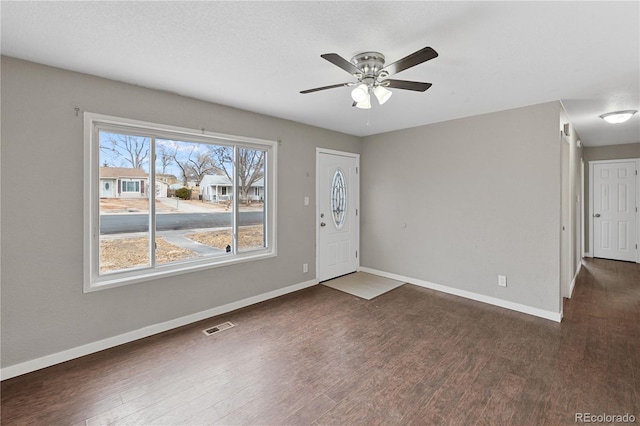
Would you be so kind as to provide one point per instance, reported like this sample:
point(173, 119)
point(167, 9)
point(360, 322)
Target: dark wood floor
point(320, 356)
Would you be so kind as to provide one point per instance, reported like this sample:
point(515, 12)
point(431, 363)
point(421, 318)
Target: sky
point(121, 150)
point(177, 158)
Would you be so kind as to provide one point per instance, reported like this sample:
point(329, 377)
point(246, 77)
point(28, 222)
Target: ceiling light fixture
point(372, 75)
point(382, 94)
point(360, 93)
point(618, 117)
point(365, 103)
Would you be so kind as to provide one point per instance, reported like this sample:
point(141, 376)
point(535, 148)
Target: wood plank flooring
point(319, 356)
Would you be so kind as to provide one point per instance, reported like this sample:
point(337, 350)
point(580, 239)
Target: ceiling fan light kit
point(618, 117)
point(360, 93)
point(365, 104)
point(371, 75)
point(382, 94)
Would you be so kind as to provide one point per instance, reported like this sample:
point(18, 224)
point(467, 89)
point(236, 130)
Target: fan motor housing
point(370, 63)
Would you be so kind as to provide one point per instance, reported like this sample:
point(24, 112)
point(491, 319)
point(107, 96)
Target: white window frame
point(93, 281)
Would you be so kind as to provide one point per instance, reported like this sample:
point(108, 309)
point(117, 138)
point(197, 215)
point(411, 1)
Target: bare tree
point(194, 165)
point(250, 169)
point(165, 156)
point(250, 165)
point(132, 150)
point(222, 157)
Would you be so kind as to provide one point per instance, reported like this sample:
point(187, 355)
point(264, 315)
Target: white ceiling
point(257, 56)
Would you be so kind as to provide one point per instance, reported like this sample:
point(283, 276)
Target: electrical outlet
point(305, 268)
point(306, 201)
point(502, 280)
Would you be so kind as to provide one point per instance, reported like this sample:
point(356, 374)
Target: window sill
point(118, 280)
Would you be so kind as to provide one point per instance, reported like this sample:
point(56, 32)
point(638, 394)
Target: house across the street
point(220, 188)
point(123, 182)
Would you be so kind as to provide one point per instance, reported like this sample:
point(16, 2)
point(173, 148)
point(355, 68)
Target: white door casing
point(565, 222)
point(614, 209)
point(337, 219)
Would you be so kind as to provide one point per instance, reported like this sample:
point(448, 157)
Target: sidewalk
point(188, 244)
point(187, 207)
point(176, 238)
point(196, 206)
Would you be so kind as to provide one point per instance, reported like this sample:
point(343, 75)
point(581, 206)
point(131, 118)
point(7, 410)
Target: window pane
point(251, 205)
point(338, 199)
point(194, 213)
point(124, 209)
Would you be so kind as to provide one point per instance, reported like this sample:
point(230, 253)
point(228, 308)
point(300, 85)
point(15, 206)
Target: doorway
point(337, 215)
point(613, 207)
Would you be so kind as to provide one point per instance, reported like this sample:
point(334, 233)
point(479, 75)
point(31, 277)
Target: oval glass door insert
point(338, 198)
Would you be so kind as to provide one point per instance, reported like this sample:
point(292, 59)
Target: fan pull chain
point(369, 117)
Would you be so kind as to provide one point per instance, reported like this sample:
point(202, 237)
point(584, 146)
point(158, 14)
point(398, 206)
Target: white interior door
point(337, 216)
point(614, 210)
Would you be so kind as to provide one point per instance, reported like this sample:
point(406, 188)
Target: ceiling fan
point(371, 75)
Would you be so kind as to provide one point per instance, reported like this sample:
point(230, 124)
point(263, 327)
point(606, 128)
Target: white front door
point(106, 189)
point(614, 210)
point(337, 204)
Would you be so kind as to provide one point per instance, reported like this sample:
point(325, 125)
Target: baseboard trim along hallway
point(541, 313)
point(573, 281)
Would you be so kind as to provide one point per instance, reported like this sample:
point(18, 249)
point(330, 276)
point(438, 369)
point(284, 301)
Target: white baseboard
point(553, 316)
point(77, 352)
point(573, 281)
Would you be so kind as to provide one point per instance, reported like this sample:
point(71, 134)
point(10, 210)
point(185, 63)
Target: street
point(119, 223)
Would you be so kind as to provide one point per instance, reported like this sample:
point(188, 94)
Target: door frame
point(621, 160)
point(317, 212)
point(566, 220)
point(583, 251)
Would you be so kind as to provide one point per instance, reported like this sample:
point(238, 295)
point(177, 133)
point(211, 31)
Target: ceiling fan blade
point(339, 61)
point(406, 85)
point(412, 60)
point(317, 89)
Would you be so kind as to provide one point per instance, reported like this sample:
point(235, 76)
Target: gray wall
point(596, 153)
point(44, 310)
point(611, 152)
point(479, 196)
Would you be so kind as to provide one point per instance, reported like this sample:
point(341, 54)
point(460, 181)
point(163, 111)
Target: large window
point(183, 200)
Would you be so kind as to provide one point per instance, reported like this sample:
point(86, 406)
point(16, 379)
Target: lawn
point(249, 237)
point(124, 253)
point(167, 205)
point(131, 205)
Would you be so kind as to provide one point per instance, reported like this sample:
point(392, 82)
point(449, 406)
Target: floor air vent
point(218, 328)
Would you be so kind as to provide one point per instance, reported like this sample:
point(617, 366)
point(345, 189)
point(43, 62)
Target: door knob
point(596, 215)
point(323, 224)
